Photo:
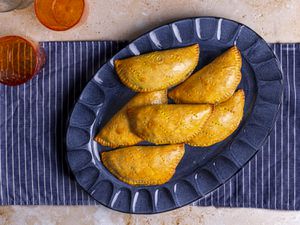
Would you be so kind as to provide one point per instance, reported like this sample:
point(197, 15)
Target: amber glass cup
point(20, 60)
point(59, 15)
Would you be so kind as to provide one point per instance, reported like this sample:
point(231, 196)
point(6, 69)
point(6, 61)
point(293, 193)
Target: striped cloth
point(33, 123)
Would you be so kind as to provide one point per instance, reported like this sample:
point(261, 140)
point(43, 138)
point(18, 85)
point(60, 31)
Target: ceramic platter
point(202, 169)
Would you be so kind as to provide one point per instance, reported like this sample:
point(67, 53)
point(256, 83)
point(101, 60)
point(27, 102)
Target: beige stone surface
point(275, 20)
point(92, 215)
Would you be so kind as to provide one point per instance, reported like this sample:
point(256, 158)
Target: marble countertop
point(275, 20)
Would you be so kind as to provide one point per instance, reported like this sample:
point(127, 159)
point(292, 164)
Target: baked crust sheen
point(143, 165)
point(168, 124)
point(117, 131)
point(223, 121)
point(214, 83)
point(157, 70)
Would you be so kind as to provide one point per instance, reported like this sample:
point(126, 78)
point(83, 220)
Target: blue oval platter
point(202, 169)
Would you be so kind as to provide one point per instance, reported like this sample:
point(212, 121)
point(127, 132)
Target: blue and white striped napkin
point(33, 123)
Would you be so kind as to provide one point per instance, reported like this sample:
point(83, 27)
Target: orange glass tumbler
point(59, 15)
point(20, 60)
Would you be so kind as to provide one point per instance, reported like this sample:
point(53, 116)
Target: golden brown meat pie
point(214, 83)
point(223, 121)
point(158, 70)
point(168, 124)
point(143, 165)
point(117, 131)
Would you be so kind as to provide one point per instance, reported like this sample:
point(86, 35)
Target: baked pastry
point(223, 121)
point(143, 165)
point(117, 131)
point(157, 70)
point(168, 124)
point(214, 83)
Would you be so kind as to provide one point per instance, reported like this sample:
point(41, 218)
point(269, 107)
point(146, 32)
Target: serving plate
point(202, 169)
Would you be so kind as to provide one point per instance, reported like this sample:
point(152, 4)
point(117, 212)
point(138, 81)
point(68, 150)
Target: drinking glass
point(20, 60)
point(9, 5)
